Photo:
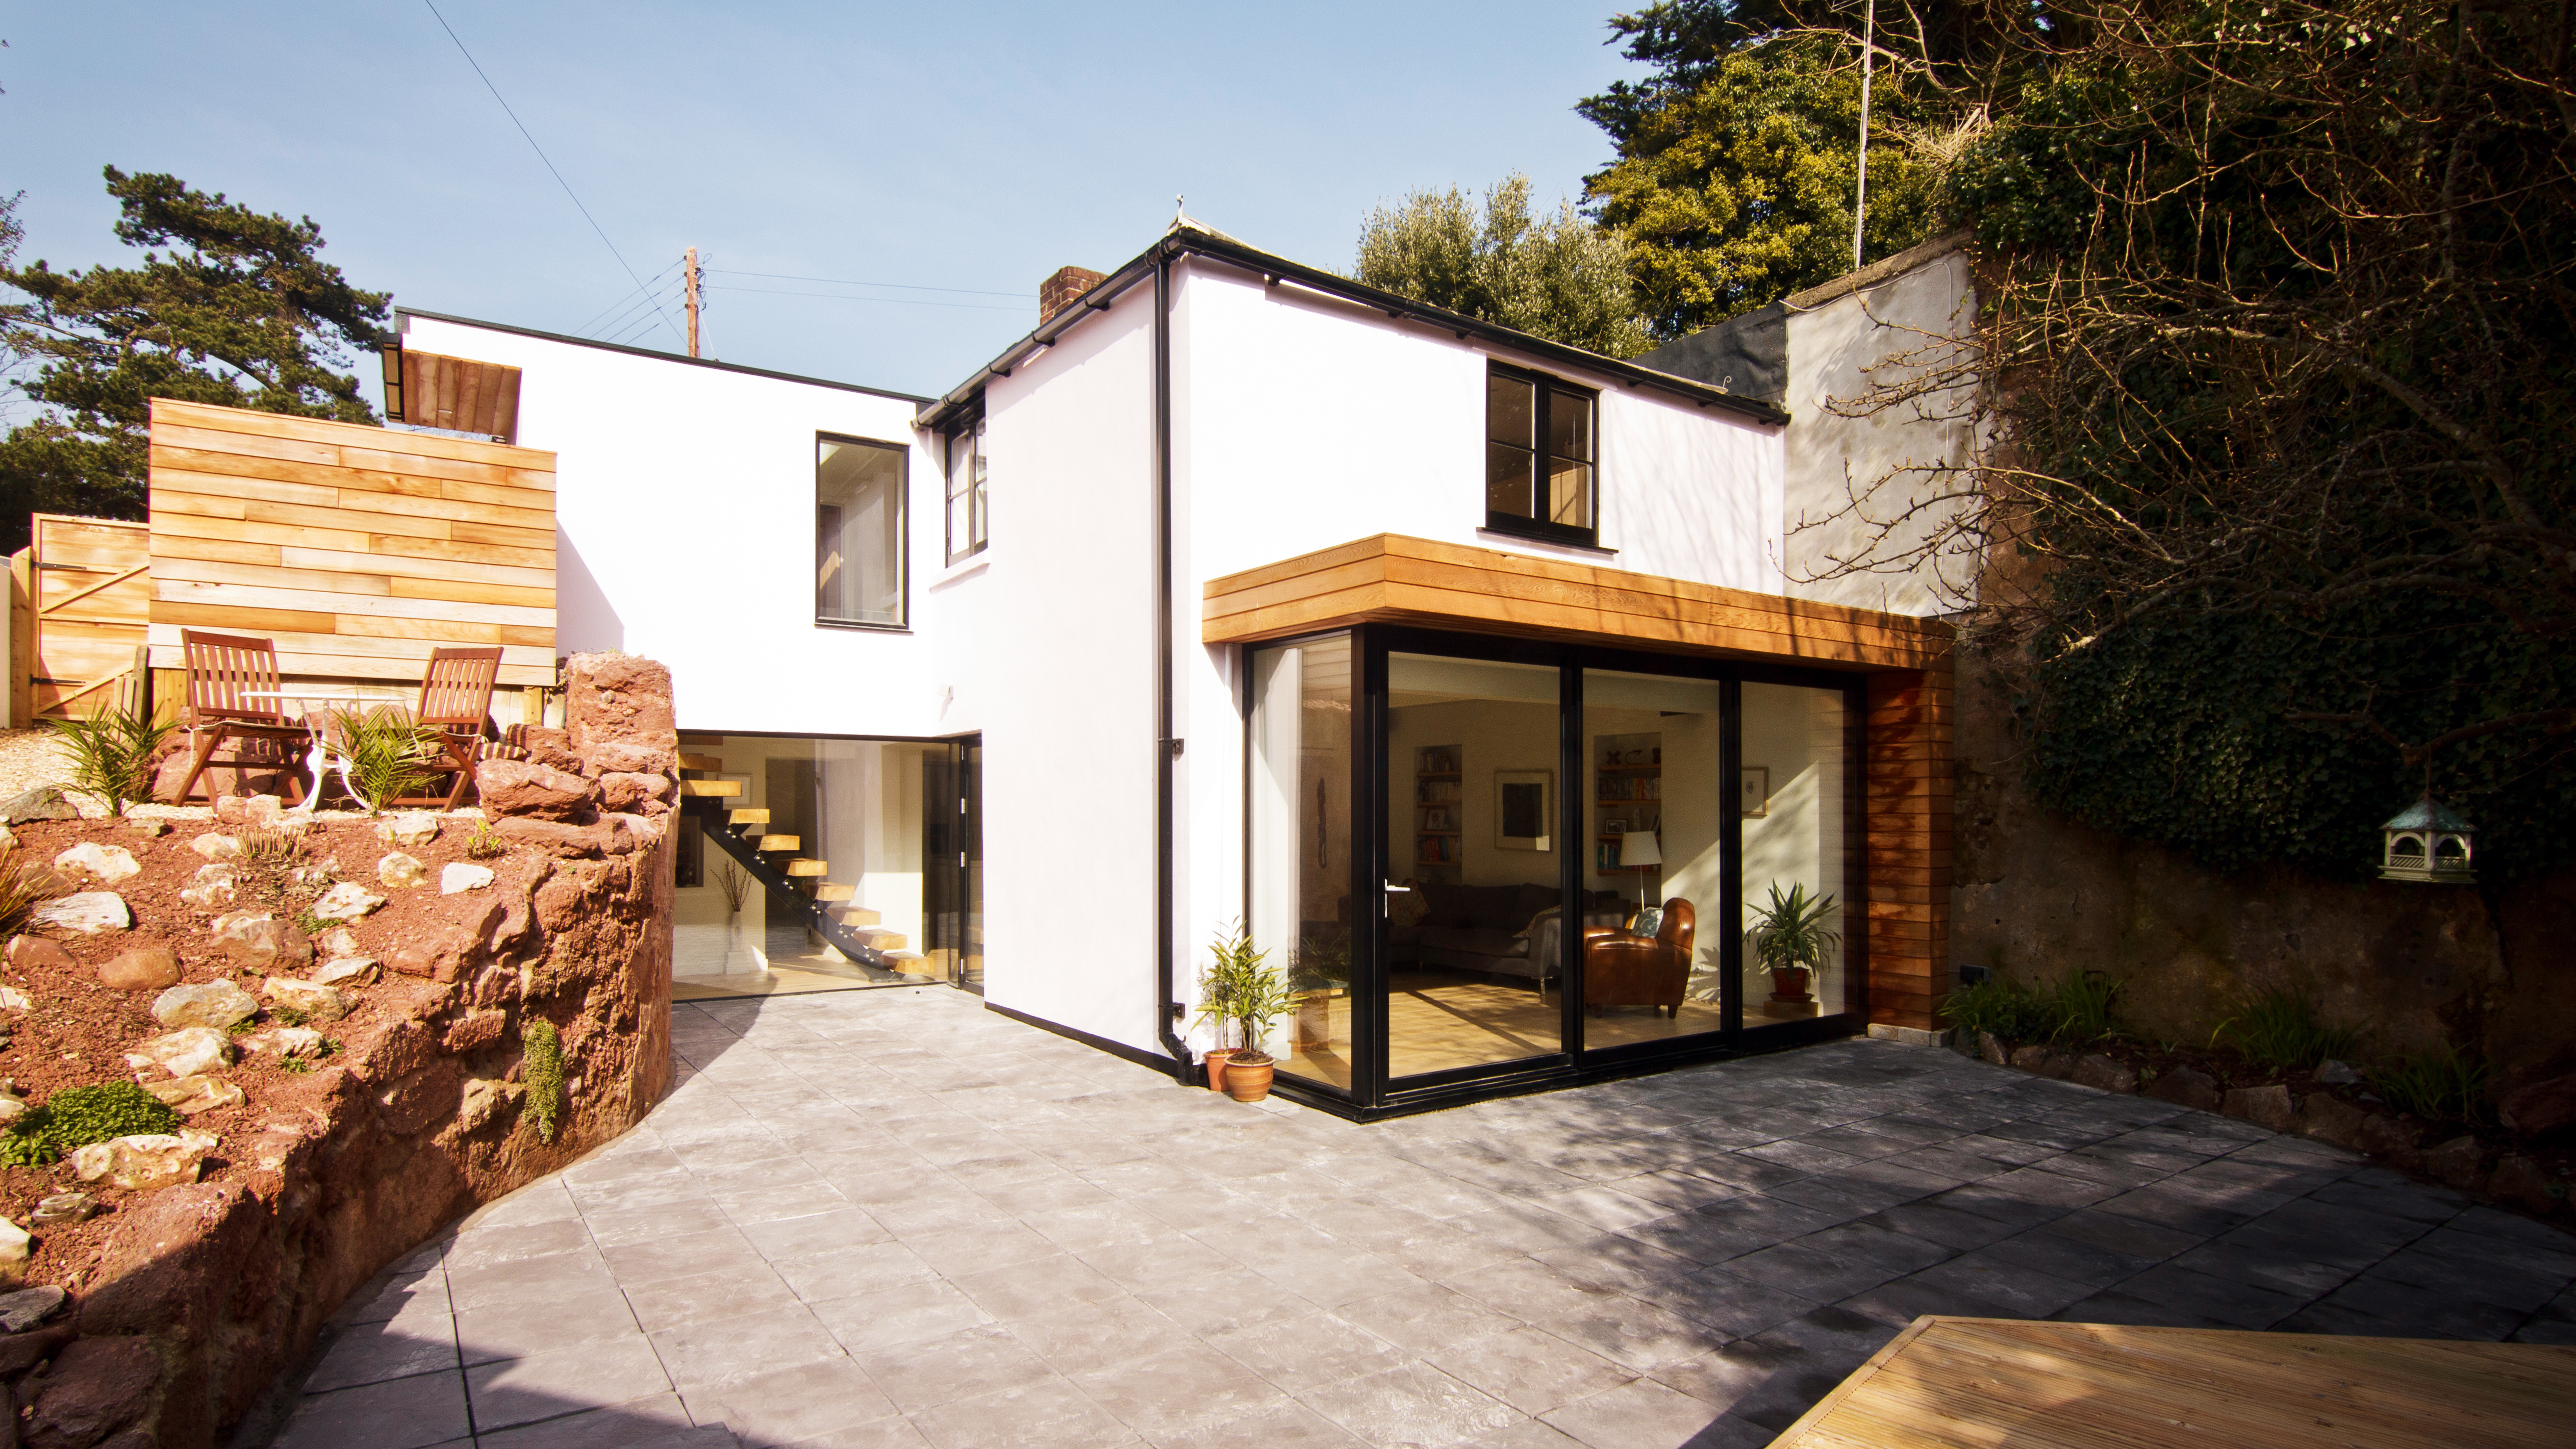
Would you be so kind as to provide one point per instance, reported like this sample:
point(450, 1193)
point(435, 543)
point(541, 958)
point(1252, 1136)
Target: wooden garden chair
point(456, 701)
point(220, 668)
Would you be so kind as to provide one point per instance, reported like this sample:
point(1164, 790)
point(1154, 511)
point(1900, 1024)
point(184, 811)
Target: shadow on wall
point(585, 622)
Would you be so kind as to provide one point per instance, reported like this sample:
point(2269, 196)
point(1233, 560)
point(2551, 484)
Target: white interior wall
point(1797, 734)
point(1920, 322)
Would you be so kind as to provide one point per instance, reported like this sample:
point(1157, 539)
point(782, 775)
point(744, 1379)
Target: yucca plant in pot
point(1791, 940)
point(1241, 987)
point(1216, 999)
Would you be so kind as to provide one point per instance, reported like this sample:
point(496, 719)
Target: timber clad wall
point(357, 549)
point(1906, 765)
point(1392, 579)
point(90, 594)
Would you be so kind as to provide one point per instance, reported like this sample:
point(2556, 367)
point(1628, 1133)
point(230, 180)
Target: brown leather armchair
point(1621, 969)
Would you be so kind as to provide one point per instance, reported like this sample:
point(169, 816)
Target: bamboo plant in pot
point(1241, 987)
point(1791, 940)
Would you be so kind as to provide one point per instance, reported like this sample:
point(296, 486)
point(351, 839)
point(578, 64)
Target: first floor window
point(967, 527)
point(858, 532)
point(1540, 475)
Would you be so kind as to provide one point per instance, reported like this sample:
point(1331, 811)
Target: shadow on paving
point(892, 1218)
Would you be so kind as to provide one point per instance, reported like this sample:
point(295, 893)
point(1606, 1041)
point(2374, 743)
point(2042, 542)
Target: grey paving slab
point(893, 1219)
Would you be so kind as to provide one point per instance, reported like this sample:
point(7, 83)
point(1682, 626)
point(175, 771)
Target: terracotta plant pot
point(1247, 1081)
point(1215, 1063)
point(1790, 986)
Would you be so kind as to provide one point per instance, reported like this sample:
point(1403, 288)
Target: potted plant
point(1240, 986)
point(1216, 1002)
point(1791, 940)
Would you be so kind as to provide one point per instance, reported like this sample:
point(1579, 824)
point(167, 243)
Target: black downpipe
point(1165, 746)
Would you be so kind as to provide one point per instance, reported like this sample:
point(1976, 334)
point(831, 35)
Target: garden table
point(325, 753)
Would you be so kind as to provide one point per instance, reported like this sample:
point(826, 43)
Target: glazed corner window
point(1540, 477)
point(858, 532)
point(968, 522)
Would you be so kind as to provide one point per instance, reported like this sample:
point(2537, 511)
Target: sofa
point(1504, 930)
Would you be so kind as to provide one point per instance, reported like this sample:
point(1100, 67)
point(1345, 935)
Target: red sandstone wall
point(206, 1292)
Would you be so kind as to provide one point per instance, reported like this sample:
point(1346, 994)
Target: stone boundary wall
point(207, 1292)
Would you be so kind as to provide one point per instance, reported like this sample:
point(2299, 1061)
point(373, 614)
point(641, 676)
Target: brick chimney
point(1061, 290)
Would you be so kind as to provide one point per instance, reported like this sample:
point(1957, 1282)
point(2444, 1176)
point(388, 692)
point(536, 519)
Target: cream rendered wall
point(684, 516)
point(1918, 323)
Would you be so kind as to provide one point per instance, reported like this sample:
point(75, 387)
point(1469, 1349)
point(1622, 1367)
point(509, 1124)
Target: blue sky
point(974, 148)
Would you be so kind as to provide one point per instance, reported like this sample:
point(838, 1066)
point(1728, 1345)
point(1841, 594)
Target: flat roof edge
point(659, 356)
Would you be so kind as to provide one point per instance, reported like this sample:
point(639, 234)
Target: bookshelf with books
point(1437, 796)
point(1627, 794)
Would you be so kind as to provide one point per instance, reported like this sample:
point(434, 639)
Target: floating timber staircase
point(796, 884)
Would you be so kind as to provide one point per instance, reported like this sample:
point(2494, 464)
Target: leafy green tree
point(1738, 191)
point(239, 310)
point(1556, 276)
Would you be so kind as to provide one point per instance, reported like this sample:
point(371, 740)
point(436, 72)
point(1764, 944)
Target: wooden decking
point(1992, 1382)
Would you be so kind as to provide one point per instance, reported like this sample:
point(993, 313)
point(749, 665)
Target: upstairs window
point(968, 530)
point(1540, 473)
point(858, 532)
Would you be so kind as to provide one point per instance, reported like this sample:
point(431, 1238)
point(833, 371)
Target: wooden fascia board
point(1395, 579)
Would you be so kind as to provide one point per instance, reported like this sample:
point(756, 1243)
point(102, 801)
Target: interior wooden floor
point(1435, 1023)
point(1946, 1383)
point(792, 978)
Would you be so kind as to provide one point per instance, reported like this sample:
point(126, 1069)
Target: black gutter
point(1182, 240)
point(1166, 748)
point(657, 356)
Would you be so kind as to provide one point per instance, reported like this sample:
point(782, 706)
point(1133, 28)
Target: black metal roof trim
point(657, 356)
point(1224, 249)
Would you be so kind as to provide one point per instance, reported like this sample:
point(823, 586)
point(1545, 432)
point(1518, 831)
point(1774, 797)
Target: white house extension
point(1237, 592)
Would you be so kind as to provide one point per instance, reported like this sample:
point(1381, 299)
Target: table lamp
point(1636, 850)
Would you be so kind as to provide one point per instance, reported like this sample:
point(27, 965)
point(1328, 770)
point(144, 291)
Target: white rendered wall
point(1848, 475)
point(684, 521)
point(1305, 421)
point(1067, 708)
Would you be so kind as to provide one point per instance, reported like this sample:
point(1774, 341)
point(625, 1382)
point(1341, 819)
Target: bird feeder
point(2427, 844)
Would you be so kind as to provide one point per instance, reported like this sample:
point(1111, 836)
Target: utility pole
point(693, 251)
point(1860, 190)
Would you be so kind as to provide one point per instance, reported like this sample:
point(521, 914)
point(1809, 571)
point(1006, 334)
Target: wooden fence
point(81, 595)
point(357, 549)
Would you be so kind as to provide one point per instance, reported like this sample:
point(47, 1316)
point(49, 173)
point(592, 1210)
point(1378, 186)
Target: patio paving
point(892, 1218)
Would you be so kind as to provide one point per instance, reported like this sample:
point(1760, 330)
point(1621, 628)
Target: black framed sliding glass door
point(1485, 862)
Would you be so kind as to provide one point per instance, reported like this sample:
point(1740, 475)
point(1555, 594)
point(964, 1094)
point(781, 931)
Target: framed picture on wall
point(1524, 804)
point(1756, 791)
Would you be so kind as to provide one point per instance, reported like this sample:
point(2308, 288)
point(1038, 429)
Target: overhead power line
point(541, 155)
point(889, 301)
point(849, 282)
point(620, 304)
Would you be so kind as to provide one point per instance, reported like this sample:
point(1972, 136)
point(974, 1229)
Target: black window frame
point(1544, 387)
point(968, 431)
point(903, 533)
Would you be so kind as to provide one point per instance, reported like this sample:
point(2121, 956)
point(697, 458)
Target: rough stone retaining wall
point(206, 1292)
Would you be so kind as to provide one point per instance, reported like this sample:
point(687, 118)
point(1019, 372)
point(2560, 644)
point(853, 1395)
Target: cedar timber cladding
point(1906, 773)
point(1392, 579)
point(91, 594)
point(428, 390)
point(357, 549)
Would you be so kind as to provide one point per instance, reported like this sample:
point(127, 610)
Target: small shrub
point(75, 1117)
point(541, 1051)
point(388, 754)
point(2278, 1028)
point(2086, 1005)
point(113, 752)
point(485, 842)
point(2441, 1085)
point(288, 1015)
point(1999, 1005)
point(297, 1065)
point(266, 848)
point(24, 885)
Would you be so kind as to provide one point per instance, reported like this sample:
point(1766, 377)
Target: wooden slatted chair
point(456, 701)
point(221, 667)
